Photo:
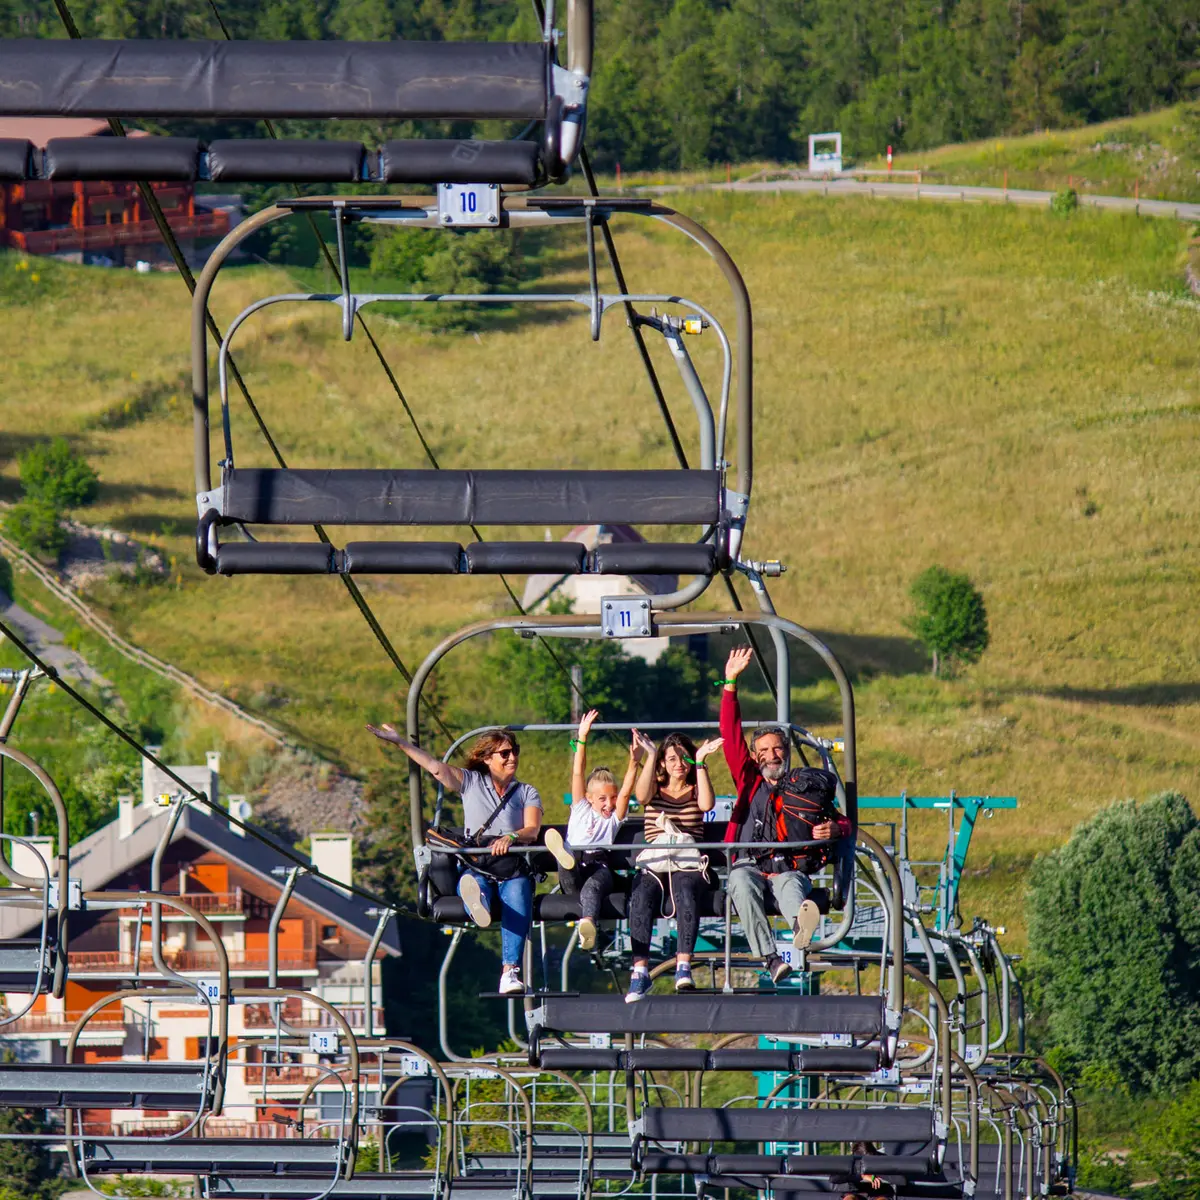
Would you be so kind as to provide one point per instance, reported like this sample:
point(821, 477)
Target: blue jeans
point(516, 907)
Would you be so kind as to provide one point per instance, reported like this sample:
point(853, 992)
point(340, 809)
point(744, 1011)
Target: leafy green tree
point(6, 577)
point(53, 472)
point(1115, 944)
point(26, 1168)
point(949, 618)
point(1168, 1146)
point(34, 525)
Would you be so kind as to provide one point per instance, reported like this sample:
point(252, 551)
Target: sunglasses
point(505, 755)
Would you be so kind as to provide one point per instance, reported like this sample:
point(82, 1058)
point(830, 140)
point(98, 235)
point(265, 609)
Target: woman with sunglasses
point(511, 811)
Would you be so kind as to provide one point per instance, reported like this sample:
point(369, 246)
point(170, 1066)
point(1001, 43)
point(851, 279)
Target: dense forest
point(702, 81)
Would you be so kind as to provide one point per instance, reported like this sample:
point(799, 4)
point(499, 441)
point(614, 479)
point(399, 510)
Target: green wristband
point(723, 682)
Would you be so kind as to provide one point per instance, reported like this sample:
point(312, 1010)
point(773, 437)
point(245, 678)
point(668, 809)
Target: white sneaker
point(510, 982)
point(807, 920)
point(555, 844)
point(587, 933)
point(472, 897)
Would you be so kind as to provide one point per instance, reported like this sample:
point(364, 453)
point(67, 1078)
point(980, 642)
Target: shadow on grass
point(1144, 695)
point(862, 656)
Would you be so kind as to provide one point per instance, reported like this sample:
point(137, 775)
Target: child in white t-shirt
point(597, 810)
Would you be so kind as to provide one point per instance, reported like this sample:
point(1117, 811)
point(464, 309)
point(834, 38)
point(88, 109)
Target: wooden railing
point(44, 1022)
point(84, 961)
point(105, 237)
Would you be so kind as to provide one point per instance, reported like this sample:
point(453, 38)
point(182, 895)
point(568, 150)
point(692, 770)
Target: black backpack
point(803, 798)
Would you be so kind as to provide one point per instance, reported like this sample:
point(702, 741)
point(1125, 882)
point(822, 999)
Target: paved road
point(1179, 210)
point(46, 642)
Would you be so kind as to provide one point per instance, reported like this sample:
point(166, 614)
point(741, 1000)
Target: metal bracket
point(210, 501)
point(892, 1019)
point(535, 1017)
point(597, 309)
point(74, 895)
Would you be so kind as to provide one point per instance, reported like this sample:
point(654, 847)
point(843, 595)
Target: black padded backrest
point(739, 1013)
point(897, 1123)
point(277, 497)
point(154, 158)
point(259, 160)
point(380, 80)
point(426, 160)
point(14, 158)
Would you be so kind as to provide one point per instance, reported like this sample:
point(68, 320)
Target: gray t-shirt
point(479, 801)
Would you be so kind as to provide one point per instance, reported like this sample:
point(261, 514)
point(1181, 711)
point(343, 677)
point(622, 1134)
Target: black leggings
point(591, 880)
point(652, 897)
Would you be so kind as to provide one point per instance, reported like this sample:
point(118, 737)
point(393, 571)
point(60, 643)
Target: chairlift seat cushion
point(151, 158)
point(402, 558)
point(20, 963)
point(737, 1013)
point(171, 1086)
point(275, 558)
point(14, 159)
point(883, 1124)
point(654, 558)
point(265, 160)
point(438, 160)
point(214, 1156)
point(270, 496)
point(301, 79)
point(496, 558)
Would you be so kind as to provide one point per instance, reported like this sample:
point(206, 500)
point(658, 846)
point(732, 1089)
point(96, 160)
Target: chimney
point(124, 816)
point(149, 776)
point(213, 761)
point(333, 855)
point(239, 807)
point(26, 861)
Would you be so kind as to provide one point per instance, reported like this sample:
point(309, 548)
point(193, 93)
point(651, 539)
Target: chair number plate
point(600, 1041)
point(210, 989)
point(625, 617)
point(413, 1065)
point(467, 204)
point(323, 1042)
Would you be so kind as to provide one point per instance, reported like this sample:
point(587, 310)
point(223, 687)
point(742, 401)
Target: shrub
point(53, 472)
point(6, 577)
point(34, 525)
point(1099, 1172)
point(950, 618)
point(1114, 943)
point(1168, 1146)
point(1064, 202)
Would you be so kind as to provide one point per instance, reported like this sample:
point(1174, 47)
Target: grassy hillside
point(1157, 153)
point(1004, 392)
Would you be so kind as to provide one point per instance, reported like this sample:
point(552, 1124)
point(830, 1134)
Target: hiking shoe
point(510, 982)
point(683, 978)
point(639, 986)
point(472, 897)
point(807, 920)
point(587, 933)
point(554, 843)
point(777, 969)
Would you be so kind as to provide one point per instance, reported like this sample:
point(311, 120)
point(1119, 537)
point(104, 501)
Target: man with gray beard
point(757, 772)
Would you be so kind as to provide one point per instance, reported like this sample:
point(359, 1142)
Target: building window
point(329, 933)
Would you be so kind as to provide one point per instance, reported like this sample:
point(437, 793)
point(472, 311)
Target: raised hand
point(642, 744)
point(386, 733)
point(738, 660)
point(709, 747)
point(586, 722)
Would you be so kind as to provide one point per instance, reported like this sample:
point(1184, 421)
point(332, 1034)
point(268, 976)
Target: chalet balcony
point(109, 236)
point(211, 904)
point(98, 962)
point(62, 1023)
point(258, 1016)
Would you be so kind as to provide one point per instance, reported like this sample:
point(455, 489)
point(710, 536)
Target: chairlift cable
point(253, 830)
point(168, 236)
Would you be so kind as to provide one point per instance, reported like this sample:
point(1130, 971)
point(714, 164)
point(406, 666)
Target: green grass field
point(1004, 392)
point(1154, 155)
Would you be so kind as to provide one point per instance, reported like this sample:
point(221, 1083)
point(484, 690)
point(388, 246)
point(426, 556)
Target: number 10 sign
point(468, 204)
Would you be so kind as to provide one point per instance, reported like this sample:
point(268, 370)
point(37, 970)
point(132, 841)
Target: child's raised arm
point(636, 754)
point(579, 767)
point(645, 782)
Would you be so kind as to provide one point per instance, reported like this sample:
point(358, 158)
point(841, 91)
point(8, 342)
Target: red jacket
point(743, 768)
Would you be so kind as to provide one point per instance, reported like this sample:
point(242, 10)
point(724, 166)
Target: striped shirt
point(684, 811)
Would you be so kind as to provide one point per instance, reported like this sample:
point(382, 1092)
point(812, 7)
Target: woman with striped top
point(674, 785)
